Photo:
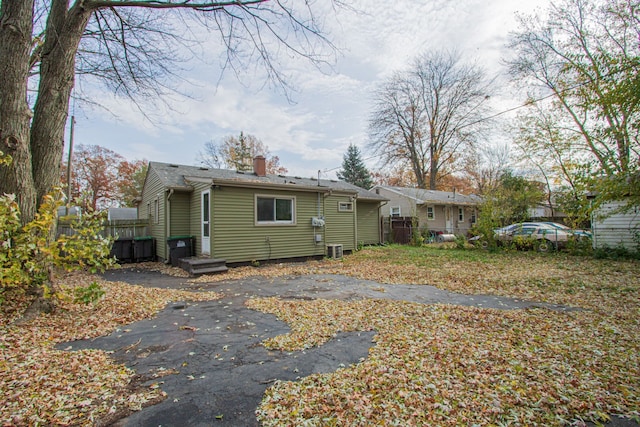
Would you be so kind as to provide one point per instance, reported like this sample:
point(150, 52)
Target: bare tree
point(429, 115)
point(396, 127)
point(484, 167)
point(211, 156)
point(130, 45)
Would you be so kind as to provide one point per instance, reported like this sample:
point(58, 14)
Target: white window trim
point(433, 213)
point(274, 223)
point(345, 206)
point(460, 214)
point(474, 216)
point(391, 211)
point(156, 210)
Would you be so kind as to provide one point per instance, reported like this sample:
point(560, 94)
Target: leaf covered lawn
point(430, 365)
point(40, 385)
point(449, 365)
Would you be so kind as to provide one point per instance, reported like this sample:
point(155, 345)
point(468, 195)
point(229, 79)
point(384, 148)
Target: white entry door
point(447, 218)
point(206, 226)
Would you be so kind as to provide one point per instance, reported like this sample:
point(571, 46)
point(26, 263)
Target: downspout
point(321, 216)
point(355, 222)
point(167, 218)
point(380, 223)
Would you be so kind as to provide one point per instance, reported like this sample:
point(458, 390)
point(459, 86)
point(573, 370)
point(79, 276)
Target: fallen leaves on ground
point(595, 284)
point(42, 385)
point(431, 365)
point(448, 365)
point(163, 268)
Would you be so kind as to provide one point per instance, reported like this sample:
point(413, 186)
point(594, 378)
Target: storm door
point(206, 226)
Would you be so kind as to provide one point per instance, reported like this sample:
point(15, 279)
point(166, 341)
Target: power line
point(526, 104)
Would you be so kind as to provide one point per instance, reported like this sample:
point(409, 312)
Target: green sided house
point(242, 217)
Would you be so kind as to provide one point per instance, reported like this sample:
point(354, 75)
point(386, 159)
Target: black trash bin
point(179, 247)
point(144, 249)
point(122, 249)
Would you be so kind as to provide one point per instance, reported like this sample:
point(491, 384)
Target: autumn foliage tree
point(237, 153)
point(583, 57)
point(131, 180)
point(102, 178)
point(398, 176)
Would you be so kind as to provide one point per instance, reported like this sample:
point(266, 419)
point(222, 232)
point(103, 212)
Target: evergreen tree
point(353, 169)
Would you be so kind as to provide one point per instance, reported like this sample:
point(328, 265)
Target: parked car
point(577, 232)
point(542, 236)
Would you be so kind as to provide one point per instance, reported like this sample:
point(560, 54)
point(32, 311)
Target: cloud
point(330, 109)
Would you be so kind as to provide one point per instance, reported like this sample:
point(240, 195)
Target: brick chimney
point(260, 166)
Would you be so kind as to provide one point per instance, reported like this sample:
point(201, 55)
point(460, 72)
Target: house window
point(473, 216)
point(460, 214)
point(395, 211)
point(156, 211)
point(431, 213)
point(275, 210)
point(345, 206)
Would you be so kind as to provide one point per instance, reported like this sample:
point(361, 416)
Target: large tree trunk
point(16, 25)
point(433, 172)
point(65, 28)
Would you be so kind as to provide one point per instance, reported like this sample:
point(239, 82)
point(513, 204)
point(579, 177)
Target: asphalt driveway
point(208, 358)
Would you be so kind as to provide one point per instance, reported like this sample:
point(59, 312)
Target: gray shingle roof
point(423, 196)
point(177, 177)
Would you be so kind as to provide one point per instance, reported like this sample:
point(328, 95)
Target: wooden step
point(201, 261)
point(200, 265)
point(209, 270)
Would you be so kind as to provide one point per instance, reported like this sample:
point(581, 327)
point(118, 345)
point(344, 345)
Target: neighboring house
point(613, 228)
point(547, 211)
point(252, 216)
point(437, 211)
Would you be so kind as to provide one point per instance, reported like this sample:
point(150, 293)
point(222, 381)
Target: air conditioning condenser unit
point(334, 251)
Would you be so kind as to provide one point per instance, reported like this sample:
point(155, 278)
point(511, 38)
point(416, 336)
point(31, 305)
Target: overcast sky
point(329, 110)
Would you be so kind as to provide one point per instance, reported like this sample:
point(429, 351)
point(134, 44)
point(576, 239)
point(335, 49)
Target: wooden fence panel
point(121, 228)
